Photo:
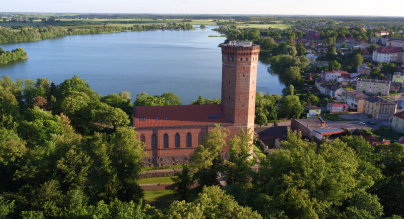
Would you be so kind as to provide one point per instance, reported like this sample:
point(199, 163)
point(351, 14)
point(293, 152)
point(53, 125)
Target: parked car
point(372, 123)
point(362, 123)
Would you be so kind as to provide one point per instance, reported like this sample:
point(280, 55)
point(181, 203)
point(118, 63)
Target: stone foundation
point(165, 160)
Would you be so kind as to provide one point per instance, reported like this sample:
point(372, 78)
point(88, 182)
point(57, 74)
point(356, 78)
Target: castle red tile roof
point(179, 115)
point(389, 50)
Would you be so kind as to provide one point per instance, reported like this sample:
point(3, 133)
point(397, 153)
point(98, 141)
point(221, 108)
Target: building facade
point(388, 54)
point(337, 107)
point(312, 111)
point(172, 133)
point(397, 122)
point(373, 86)
point(379, 108)
point(355, 100)
point(398, 77)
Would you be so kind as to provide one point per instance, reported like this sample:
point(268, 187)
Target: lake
point(187, 63)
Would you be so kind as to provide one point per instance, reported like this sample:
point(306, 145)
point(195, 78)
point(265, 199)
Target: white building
point(388, 54)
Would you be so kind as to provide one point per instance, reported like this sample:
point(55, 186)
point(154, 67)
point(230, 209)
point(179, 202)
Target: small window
point(166, 118)
point(157, 118)
point(215, 116)
point(144, 118)
point(140, 119)
point(209, 116)
point(218, 116)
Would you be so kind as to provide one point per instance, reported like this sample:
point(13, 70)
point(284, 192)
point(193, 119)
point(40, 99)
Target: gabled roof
point(179, 115)
point(380, 100)
point(389, 50)
point(399, 115)
point(312, 107)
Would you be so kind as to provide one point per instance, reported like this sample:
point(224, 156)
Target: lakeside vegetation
point(14, 55)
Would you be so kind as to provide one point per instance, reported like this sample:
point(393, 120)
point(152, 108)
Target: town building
point(172, 133)
point(373, 86)
point(397, 122)
point(398, 42)
point(364, 69)
point(374, 141)
point(398, 77)
point(379, 108)
point(332, 90)
point(312, 111)
point(315, 128)
point(313, 35)
point(388, 54)
point(337, 106)
point(355, 100)
point(336, 75)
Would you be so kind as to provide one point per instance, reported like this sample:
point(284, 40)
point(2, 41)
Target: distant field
point(265, 26)
point(89, 22)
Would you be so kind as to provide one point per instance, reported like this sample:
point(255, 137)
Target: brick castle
point(172, 133)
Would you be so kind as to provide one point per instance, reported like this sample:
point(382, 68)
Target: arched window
point(165, 140)
point(189, 140)
point(200, 137)
point(154, 141)
point(177, 140)
point(142, 138)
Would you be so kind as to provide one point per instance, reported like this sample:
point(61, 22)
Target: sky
point(268, 7)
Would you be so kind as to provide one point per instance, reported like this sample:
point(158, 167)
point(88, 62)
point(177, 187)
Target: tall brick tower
point(239, 79)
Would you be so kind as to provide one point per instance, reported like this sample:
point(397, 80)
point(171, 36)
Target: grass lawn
point(393, 93)
point(160, 198)
point(350, 88)
point(335, 117)
point(258, 151)
point(155, 180)
point(161, 168)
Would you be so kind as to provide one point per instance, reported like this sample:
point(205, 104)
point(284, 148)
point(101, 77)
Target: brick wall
point(296, 125)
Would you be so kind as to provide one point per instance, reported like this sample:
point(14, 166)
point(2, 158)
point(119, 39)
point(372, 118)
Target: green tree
point(381, 77)
point(312, 99)
point(375, 71)
point(357, 61)
point(301, 51)
point(238, 167)
point(372, 48)
point(289, 90)
point(183, 182)
point(261, 119)
point(207, 156)
point(334, 65)
point(291, 107)
point(211, 203)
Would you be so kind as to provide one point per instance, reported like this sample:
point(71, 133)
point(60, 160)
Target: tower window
point(140, 119)
point(166, 118)
point(215, 116)
point(144, 118)
point(209, 117)
point(218, 116)
point(157, 118)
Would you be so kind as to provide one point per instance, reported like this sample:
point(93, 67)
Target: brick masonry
point(239, 77)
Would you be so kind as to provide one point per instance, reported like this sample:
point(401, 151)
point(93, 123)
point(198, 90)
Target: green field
point(265, 26)
point(155, 180)
point(160, 198)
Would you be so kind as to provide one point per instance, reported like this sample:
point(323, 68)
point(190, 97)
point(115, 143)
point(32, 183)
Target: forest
point(67, 152)
point(28, 34)
point(7, 56)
